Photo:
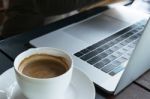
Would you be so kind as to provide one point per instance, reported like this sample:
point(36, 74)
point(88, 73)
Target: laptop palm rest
point(61, 40)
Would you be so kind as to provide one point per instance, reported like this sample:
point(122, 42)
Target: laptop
point(103, 46)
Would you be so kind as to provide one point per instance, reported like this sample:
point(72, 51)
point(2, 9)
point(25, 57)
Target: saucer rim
point(75, 70)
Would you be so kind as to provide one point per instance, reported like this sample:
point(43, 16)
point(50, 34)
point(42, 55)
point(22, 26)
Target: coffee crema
point(43, 66)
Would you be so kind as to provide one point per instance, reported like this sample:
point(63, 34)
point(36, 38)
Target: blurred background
point(143, 5)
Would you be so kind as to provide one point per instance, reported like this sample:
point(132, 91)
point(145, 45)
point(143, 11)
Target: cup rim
point(40, 48)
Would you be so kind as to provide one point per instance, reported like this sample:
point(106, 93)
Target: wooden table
point(11, 47)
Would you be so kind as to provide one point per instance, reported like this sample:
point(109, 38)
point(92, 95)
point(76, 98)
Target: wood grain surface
point(144, 81)
point(132, 92)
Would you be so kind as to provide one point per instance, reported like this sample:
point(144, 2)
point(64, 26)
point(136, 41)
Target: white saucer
point(80, 88)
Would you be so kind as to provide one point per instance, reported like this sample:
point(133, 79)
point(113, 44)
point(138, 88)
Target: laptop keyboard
point(109, 54)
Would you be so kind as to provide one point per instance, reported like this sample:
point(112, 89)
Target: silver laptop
point(102, 46)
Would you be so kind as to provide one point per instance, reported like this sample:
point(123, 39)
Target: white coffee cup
point(48, 88)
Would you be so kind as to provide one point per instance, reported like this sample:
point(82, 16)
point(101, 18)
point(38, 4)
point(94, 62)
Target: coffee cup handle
point(7, 93)
point(4, 95)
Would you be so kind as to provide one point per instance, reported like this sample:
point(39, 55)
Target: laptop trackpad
point(95, 29)
point(60, 40)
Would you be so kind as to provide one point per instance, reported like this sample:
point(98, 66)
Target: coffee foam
point(38, 57)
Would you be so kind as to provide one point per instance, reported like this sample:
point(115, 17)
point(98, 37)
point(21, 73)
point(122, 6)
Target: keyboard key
point(128, 40)
point(127, 35)
point(122, 59)
point(100, 43)
point(129, 48)
point(119, 53)
point(131, 32)
point(116, 63)
point(91, 54)
point(123, 50)
point(100, 49)
point(124, 43)
point(109, 51)
point(116, 54)
point(136, 41)
point(115, 41)
point(114, 48)
point(139, 34)
point(95, 59)
point(119, 39)
point(84, 51)
point(106, 61)
point(96, 45)
point(119, 45)
point(104, 47)
point(132, 45)
point(115, 71)
point(99, 65)
point(141, 28)
point(92, 47)
point(108, 68)
point(104, 54)
point(134, 37)
point(78, 54)
point(134, 31)
point(111, 57)
point(111, 44)
point(94, 53)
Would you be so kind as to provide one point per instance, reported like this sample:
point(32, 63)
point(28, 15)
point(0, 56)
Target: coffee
point(43, 66)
